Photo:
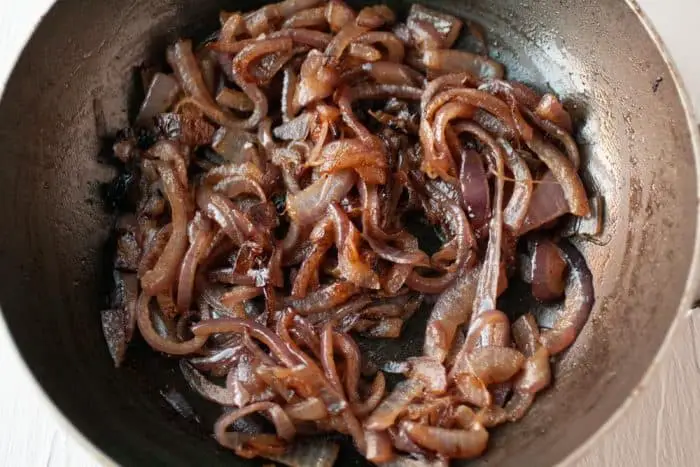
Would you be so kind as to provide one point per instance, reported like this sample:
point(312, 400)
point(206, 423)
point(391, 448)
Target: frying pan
point(74, 87)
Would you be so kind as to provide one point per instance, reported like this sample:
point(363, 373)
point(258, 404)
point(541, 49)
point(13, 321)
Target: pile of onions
point(273, 174)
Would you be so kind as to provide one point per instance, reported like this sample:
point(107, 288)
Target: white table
point(660, 427)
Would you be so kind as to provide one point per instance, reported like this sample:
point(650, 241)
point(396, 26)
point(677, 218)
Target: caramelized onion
point(577, 304)
point(163, 273)
point(311, 174)
point(458, 61)
point(457, 444)
point(310, 204)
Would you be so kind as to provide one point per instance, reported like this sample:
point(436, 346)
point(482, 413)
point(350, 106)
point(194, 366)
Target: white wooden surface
point(660, 428)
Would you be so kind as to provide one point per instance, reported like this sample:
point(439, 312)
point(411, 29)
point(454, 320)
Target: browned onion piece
point(549, 108)
point(577, 304)
point(247, 445)
point(296, 129)
point(489, 328)
point(351, 263)
point(309, 18)
point(231, 220)
point(162, 344)
point(526, 334)
point(458, 61)
point(430, 285)
point(255, 51)
point(168, 151)
point(363, 52)
point(430, 372)
point(324, 298)
point(259, 100)
point(327, 358)
point(114, 330)
point(231, 144)
point(548, 271)
point(283, 424)
point(558, 133)
point(350, 352)
point(124, 298)
point(565, 173)
point(288, 8)
point(470, 97)
point(231, 27)
point(317, 80)
point(487, 289)
point(536, 373)
point(391, 43)
point(233, 187)
point(375, 16)
point(310, 204)
point(236, 100)
point(447, 26)
point(443, 160)
point(383, 91)
point(184, 63)
point(322, 240)
point(424, 34)
point(394, 405)
point(445, 82)
point(525, 96)
point(379, 448)
point(452, 309)
point(161, 95)
point(369, 196)
point(338, 15)
point(239, 294)
point(515, 212)
point(398, 255)
point(163, 273)
point(456, 444)
point(275, 219)
point(308, 409)
point(377, 392)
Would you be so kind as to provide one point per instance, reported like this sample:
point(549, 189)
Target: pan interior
point(74, 87)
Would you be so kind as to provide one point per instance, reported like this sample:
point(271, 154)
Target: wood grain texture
point(660, 428)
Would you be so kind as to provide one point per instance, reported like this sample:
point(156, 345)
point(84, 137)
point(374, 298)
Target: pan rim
point(690, 295)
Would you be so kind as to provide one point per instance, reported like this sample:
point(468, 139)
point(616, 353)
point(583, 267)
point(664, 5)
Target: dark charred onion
point(314, 174)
